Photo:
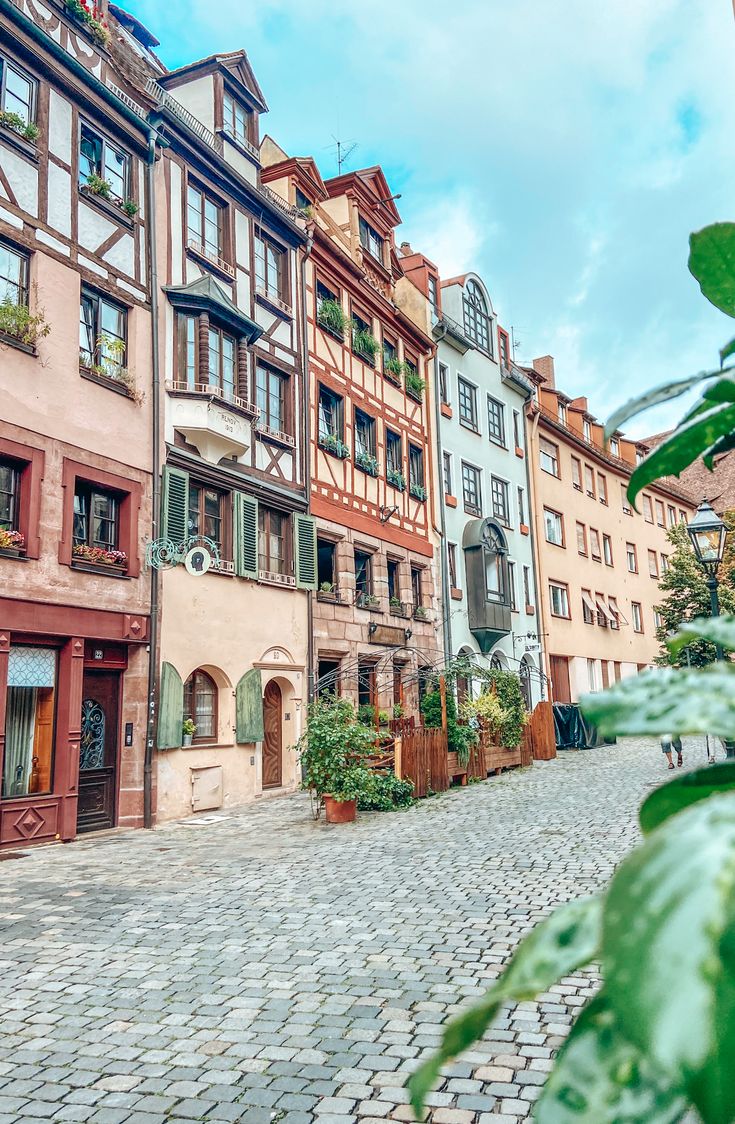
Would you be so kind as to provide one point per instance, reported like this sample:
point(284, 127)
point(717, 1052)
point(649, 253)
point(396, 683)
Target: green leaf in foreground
point(727, 351)
point(602, 1078)
point(655, 397)
point(712, 262)
point(669, 952)
point(718, 630)
point(686, 789)
point(667, 700)
point(563, 942)
point(683, 446)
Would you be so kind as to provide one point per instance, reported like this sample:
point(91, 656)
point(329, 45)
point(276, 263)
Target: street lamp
point(708, 534)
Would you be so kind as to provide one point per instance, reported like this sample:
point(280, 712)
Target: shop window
point(204, 223)
point(29, 721)
point(101, 158)
point(200, 705)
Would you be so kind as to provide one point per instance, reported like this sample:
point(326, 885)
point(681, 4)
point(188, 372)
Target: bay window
point(222, 350)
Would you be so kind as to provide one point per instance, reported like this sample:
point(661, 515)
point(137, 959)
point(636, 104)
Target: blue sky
point(562, 150)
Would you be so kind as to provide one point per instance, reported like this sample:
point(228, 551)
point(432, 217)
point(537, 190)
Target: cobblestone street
point(258, 966)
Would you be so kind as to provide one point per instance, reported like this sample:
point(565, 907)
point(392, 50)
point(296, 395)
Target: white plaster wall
point(94, 227)
point(172, 214)
point(59, 127)
point(22, 178)
point(247, 169)
point(59, 199)
point(198, 97)
point(122, 255)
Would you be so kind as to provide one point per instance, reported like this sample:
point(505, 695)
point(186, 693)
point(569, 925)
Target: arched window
point(200, 704)
point(496, 662)
point(525, 677)
point(477, 318)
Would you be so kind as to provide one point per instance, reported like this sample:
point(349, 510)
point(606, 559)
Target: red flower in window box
point(98, 556)
point(11, 540)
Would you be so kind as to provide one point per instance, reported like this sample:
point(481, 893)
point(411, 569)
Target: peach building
point(599, 560)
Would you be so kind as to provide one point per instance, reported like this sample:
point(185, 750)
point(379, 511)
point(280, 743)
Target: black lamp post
point(708, 534)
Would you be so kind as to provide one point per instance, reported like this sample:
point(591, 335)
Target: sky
point(562, 149)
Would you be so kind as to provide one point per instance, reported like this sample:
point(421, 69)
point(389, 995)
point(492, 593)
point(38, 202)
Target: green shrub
point(384, 793)
point(332, 750)
point(460, 739)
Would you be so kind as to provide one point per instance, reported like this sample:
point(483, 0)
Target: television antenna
point(515, 343)
point(342, 150)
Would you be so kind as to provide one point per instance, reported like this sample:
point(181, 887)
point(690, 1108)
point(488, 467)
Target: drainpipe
point(531, 486)
point(446, 593)
point(306, 454)
point(150, 199)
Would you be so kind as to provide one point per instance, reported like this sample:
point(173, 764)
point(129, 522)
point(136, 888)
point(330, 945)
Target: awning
point(621, 616)
point(588, 602)
point(606, 612)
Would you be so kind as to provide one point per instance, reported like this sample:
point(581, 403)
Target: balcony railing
point(276, 434)
point(163, 97)
point(264, 295)
point(213, 391)
point(273, 578)
point(215, 259)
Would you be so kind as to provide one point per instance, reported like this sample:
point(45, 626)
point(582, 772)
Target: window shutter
point(305, 551)
point(246, 535)
point(249, 708)
point(175, 502)
point(170, 708)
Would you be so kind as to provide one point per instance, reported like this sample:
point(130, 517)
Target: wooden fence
point(540, 732)
point(421, 756)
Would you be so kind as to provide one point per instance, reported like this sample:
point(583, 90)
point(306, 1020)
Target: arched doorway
point(525, 677)
point(273, 740)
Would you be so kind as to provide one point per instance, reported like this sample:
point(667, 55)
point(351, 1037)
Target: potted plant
point(396, 605)
point(368, 463)
point(331, 315)
point(418, 491)
point(332, 752)
point(394, 369)
point(130, 207)
point(19, 324)
point(333, 444)
point(396, 479)
point(188, 730)
point(326, 587)
point(11, 542)
point(367, 601)
point(26, 129)
point(98, 556)
point(365, 344)
point(96, 185)
point(88, 13)
point(421, 613)
point(415, 385)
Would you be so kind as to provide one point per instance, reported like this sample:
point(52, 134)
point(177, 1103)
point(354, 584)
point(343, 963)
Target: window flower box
point(368, 463)
point(415, 385)
point(418, 491)
point(396, 479)
point(88, 13)
point(102, 189)
point(98, 556)
point(421, 613)
point(365, 346)
point(11, 542)
point(329, 593)
point(367, 601)
point(19, 326)
point(330, 443)
point(17, 124)
point(331, 316)
point(394, 370)
point(397, 607)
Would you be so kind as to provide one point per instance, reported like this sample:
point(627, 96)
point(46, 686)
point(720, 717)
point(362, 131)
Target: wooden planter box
point(455, 769)
point(499, 757)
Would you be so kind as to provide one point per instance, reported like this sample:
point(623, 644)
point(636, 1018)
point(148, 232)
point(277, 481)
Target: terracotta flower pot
point(339, 811)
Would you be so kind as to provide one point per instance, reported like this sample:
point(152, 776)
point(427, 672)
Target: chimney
point(545, 366)
point(406, 250)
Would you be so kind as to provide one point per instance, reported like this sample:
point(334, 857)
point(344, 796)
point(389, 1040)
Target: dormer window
point(370, 240)
point(587, 429)
point(237, 120)
point(303, 202)
point(99, 158)
point(477, 318)
point(561, 412)
point(433, 292)
point(204, 225)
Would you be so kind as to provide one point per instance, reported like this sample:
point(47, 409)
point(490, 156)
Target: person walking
point(668, 745)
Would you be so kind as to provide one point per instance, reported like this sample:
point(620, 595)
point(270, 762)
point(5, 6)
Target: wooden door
point(98, 750)
point(605, 674)
point(560, 679)
point(273, 741)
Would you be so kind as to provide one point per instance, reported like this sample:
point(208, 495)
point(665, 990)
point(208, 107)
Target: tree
point(687, 597)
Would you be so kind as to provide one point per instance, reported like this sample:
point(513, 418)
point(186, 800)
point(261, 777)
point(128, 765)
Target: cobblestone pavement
point(263, 967)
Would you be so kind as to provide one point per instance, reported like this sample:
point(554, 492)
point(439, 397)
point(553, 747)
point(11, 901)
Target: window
point(324, 316)
point(652, 564)
point(9, 495)
point(390, 355)
point(394, 584)
point(270, 268)
point(204, 223)
point(637, 616)
point(200, 705)
point(549, 457)
point(592, 675)
point(328, 678)
point(370, 240)
point(517, 429)
point(13, 275)
point(561, 411)
point(588, 607)
point(615, 446)
point(658, 620)
point(647, 509)
point(607, 550)
point(471, 489)
point(602, 487)
point(467, 397)
point(577, 474)
point(29, 721)
point(393, 452)
point(99, 157)
point(476, 318)
point(627, 509)
point(527, 585)
point(495, 572)
point(447, 466)
point(503, 349)
point(682, 516)
point(366, 690)
point(363, 574)
point(595, 551)
point(102, 334)
point(362, 330)
point(236, 120)
point(612, 605)
point(660, 519)
point(639, 456)
point(444, 383)
point(559, 599)
point(416, 587)
point(96, 514)
point(664, 563)
point(500, 500)
point(364, 434)
point(274, 544)
point(206, 513)
point(330, 415)
point(589, 481)
point(632, 557)
point(496, 421)
point(303, 202)
point(512, 586)
point(602, 610)
point(521, 507)
point(325, 564)
point(671, 512)
point(222, 349)
point(581, 539)
point(452, 562)
point(587, 429)
point(433, 291)
point(270, 397)
point(17, 92)
point(415, 466)
point(554, 527)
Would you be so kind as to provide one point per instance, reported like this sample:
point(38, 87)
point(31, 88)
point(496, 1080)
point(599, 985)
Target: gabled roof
point(304, 168)
point(205, 293)
point(235, 63)
point(373, 186)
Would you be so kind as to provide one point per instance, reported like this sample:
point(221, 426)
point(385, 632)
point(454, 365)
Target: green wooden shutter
point(175, 503)
point(304, 533)
point(249, 708)
point(170, 708)
point(246, 535)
